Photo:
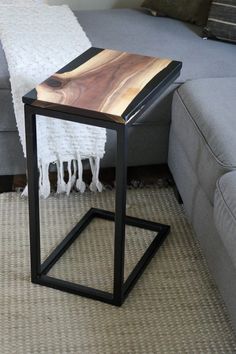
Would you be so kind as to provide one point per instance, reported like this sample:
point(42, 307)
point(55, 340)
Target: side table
point(121, 86)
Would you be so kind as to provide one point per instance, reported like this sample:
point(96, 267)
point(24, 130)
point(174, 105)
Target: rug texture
point(174, 308)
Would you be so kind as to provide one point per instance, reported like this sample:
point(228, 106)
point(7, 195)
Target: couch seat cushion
point(137, 31)
point(225, 212)
point(203, 117)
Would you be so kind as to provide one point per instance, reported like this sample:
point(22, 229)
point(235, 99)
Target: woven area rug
point(174, 308)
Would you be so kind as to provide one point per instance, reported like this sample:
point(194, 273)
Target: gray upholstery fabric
point(225, 212)
point(10, 149)
point(203, 118)
point(137, 31)
point(200, 213)
point(7, 120)
point(4, 75)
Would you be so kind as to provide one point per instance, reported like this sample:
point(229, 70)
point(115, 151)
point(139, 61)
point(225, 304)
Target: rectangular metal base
point(43, 279)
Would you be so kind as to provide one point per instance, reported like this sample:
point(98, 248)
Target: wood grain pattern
point(106, 83)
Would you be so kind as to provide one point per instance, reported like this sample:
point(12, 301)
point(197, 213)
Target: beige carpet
point(174, 308)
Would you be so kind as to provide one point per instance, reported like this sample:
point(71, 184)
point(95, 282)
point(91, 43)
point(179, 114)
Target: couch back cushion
point(221, 22)
point(194, 11)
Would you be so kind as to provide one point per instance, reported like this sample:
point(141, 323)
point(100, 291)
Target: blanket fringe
point(61, 184)
point(74, 168)
point(25, 191)
point(44, 186)
point(69, 183)
point(95, 166)
point(80, 185)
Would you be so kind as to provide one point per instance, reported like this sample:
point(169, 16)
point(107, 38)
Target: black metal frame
point(39, 271)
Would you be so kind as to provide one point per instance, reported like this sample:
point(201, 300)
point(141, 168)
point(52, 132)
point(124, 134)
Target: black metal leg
point(39, 272)
point(120, 212)
point(32, 167)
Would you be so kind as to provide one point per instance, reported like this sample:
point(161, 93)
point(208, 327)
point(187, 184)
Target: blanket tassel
point(61, 184)
point(44, 182)
point(80, 185)
point(95, 165)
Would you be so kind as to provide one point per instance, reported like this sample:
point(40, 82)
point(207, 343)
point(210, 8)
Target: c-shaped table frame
point(39, 270)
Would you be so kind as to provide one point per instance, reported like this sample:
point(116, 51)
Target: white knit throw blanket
point(38, 40)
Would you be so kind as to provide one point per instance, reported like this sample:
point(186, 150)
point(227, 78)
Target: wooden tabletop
point(104, 83)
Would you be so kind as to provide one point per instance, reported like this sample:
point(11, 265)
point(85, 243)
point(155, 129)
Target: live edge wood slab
point(106, 84)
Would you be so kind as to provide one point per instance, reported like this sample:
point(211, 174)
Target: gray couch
point(138, 32)
point(202, 142)
point(202, 159)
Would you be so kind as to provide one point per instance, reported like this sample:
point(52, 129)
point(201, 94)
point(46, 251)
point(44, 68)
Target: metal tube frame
point(39, 270)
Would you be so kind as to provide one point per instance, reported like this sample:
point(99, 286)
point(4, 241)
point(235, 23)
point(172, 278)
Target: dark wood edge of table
point(152, 88)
